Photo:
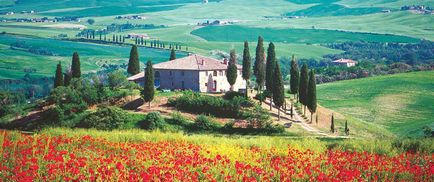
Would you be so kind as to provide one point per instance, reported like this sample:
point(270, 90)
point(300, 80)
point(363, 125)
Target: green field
point(401, 103)
point(14, 61)
point(240, 33)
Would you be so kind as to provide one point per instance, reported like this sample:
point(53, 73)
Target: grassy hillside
point(240, 33)
point(334, 10)
point(93, 56)
point(400, 103)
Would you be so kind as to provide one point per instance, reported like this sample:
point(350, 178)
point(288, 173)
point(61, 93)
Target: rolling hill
point(401, 103)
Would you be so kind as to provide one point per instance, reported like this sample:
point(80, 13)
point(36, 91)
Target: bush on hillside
point(153, 121)
point(231, 94)
point(178, 119)
point(204, 104)
point(105, 118)
point(257, 117)
point(205, 123)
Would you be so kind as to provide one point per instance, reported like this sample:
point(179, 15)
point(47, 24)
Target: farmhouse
point(194, 72)
point(345, 62)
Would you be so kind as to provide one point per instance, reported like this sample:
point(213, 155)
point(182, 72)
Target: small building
point(345, 62)
point(135, 35)
point(194, 72)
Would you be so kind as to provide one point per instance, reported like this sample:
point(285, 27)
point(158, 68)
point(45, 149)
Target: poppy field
point(64, 157)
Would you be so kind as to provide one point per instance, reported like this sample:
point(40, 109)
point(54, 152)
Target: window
point(206, 84)
point(221, 73)
point(214, 73)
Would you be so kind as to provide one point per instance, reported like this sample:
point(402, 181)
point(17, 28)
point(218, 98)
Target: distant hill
point(401, 103)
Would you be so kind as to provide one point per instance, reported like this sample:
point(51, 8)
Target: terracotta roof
point(345, 61)
point(191, 62)
point(194, 62)
point(136, 77)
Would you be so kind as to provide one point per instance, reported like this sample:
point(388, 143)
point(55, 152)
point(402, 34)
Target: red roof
point(194, 62)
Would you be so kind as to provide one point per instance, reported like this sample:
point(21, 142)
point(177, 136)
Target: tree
point(58, 78)
point(172, 54)
point(133, 63)
point(231, 72)
point(302, 89)
point(90, 21)
point(246, 66)
point(67, 79)
point(149, 90)
point(278, 89)
point(332, 127)
point(347, 130)
point(269, 73)
point(75, 66)
point(311, 94)
point(116, 79)
point(259, 67)
point(295, 77)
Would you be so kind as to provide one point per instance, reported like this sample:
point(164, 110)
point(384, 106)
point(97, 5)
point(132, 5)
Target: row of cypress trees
point(268, 73)
point(303, 86)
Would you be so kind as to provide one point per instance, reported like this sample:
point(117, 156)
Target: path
point(297, 119)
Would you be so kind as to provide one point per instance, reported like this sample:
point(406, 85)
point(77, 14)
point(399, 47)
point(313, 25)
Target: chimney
point(203, 62)
point(225, 61)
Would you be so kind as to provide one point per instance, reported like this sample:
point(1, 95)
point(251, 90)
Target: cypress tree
point(311, 94)
point(105, 37)
point(141, 41)
point(269, 71)
point(93, 35)
point(148, 89)
point(113, 38)
point(278, 89)
point(259, 66)
point(295, 77)
point(332, 127)
point(347, 130)
point(133, 63)
point(302, 89)
point(172, 55)
point(100, 36)
point(231, 72)
point(75, 66)
point(246, 66)
point(67, 79)
point(58, 78)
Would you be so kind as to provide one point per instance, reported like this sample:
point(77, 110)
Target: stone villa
point(194, 72)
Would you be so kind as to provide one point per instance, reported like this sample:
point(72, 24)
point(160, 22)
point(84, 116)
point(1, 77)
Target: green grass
point(13, 62)
point(380, 146)
point(334, 10)
point(401, 103)
point(240, 33)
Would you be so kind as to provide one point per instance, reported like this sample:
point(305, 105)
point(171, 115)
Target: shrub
point(204, 104)
point(205, 123)
point(257, 117)
point(106, 118)
point(153, 121)
point(178, 119)
point(261, 97)
point(230, 95)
